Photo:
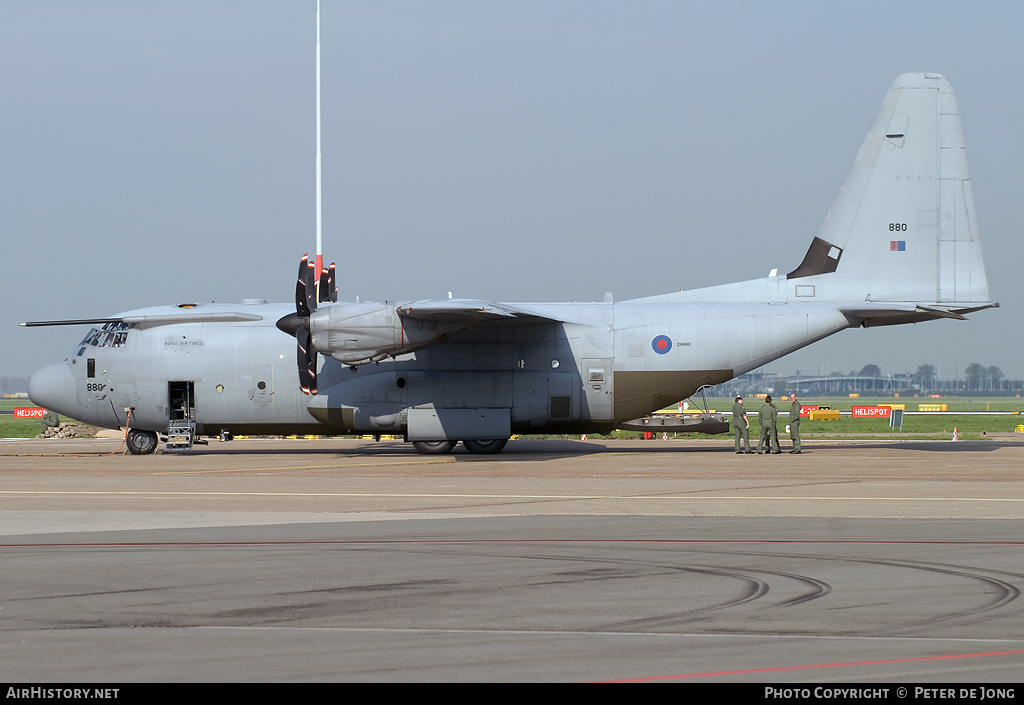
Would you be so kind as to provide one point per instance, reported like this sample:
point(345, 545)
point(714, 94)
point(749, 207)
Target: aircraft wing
point(152, 320)
point(467, 312)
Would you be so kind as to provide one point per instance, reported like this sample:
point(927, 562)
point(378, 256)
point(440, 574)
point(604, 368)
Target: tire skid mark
point(1002, 593)
point(755, 588)
point(995, 596)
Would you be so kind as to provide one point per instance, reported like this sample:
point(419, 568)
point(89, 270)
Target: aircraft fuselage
point(589, 367)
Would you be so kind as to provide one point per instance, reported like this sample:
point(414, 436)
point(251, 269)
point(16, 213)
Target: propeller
point(297, 324)
point(305, 288)
point(328, 287)
point(305, 304)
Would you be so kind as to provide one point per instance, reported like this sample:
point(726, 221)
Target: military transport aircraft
point(899, 245)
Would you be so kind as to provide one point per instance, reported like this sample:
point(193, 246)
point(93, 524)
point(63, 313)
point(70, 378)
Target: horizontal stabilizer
point(894, 314)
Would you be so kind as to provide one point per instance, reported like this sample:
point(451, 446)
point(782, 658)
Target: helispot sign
point(871, 412)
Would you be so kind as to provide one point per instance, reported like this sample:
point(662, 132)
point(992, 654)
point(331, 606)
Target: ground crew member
point(769, 433)
point(794, 423)
point(741, 426)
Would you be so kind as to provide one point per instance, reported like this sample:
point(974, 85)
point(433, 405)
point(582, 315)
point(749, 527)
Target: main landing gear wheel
point(141, 442)
point(485, 447)
point(434, 447)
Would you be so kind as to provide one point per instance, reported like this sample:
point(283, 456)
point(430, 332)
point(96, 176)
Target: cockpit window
point(111, 335)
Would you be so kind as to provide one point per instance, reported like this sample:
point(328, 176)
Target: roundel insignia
point(662, 344)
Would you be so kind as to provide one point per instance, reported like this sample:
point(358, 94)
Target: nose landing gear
point(141, 442)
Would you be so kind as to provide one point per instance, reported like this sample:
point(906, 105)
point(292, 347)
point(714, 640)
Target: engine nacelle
point(369, 332)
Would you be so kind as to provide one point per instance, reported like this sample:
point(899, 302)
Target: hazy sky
point(163, 152)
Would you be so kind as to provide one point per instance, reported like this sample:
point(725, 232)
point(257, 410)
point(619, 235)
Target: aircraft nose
point(53, 387)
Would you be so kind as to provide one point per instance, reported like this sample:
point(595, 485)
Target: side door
point(261, 382)
point(597, 387)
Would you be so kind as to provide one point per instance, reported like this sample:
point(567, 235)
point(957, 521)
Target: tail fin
point(902, 228)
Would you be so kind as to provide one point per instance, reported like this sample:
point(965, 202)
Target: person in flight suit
point(741, 426)
point(794, 423)
point(769, 433)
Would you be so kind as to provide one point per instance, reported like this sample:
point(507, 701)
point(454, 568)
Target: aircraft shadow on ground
point(552, 448)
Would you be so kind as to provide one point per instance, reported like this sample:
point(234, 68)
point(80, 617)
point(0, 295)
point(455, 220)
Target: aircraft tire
point(141, 442)
point(489, 447)
point(434, 447)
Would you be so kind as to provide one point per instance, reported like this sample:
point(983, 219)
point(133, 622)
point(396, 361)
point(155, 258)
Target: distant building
point(854, 384)
point(776, 383)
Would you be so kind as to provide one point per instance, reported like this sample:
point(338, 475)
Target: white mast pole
point(319, 194)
